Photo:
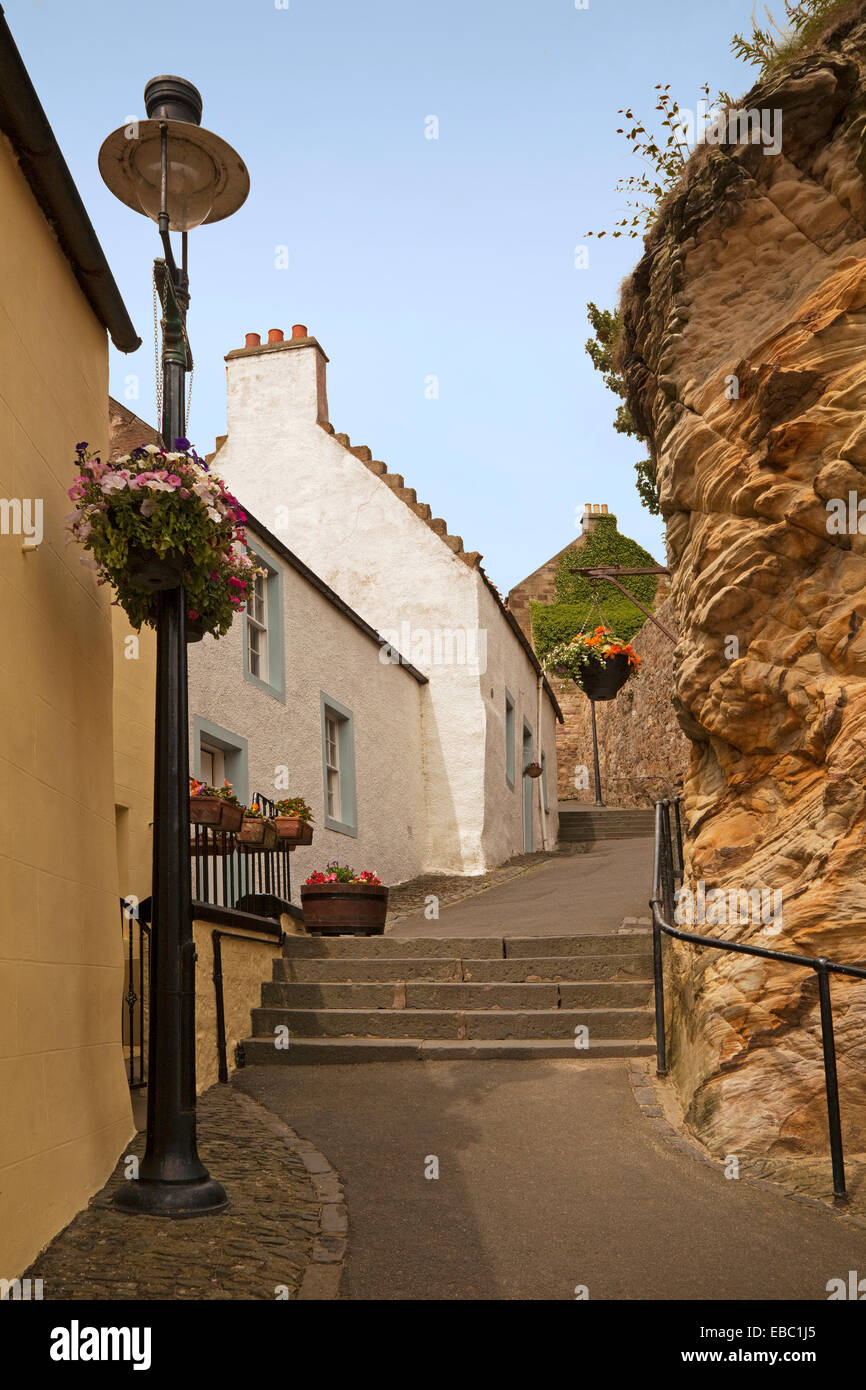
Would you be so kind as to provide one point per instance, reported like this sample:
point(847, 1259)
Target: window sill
point(275, 692)
point(341, 828)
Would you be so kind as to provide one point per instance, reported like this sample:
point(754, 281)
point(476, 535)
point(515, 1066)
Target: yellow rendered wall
point(65, 1111)
point(134, 694)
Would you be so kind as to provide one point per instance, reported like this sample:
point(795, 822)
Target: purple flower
point(80, 448)
point(182, 444)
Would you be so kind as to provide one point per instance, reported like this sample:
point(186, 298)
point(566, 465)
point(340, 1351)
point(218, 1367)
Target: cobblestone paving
point(260, 1247)
point(410, 897)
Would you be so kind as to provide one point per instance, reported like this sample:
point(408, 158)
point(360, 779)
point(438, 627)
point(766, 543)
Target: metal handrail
point(666, 874)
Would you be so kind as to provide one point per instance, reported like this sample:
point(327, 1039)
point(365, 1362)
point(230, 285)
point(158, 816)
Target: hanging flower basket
point(294, 821)
point(194, 629)
point(598, 663)
point(146, 571)
point(533, 770)
point(154, 519)
point(604, 682)
point(214, 806)
point(339, 902)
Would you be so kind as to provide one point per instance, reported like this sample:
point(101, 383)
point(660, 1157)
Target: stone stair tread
point(450, 1023)
point(451, 995)
point(346, 970)
point(348, 1050)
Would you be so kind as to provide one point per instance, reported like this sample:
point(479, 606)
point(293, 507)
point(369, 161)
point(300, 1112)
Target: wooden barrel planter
point(215, 811)
point(257, 832)
point(604, 680)
point(145, 570)
point(344, 909)
point(293, 831)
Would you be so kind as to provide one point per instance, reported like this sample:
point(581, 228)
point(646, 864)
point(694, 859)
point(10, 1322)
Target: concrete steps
point(605, 823)
point(440, 998)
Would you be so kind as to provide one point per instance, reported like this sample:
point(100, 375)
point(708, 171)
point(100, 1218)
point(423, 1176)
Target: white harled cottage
point(486, 710)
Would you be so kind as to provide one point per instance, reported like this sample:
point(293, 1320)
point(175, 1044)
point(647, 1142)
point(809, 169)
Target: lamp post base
point(159, 1197)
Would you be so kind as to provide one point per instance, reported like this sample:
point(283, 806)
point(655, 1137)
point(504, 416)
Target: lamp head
point(206, 180)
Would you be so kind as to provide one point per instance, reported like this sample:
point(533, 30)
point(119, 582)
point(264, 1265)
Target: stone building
point(486, 709)
point(643, 752)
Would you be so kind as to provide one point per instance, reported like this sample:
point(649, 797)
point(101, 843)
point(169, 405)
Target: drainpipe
point(541, 779)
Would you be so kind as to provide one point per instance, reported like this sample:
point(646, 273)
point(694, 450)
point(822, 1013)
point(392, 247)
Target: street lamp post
point(181, 176)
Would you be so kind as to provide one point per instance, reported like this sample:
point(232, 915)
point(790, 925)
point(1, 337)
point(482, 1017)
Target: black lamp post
point(181, 176)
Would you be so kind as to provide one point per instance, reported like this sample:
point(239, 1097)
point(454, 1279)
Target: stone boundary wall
point(246, 964)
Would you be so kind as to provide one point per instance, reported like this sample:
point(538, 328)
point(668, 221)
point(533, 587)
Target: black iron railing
point(228, 873)
point(136, 952)
point(667, 878)
point(233, 883)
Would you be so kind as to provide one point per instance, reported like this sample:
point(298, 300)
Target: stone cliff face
point(745, 356)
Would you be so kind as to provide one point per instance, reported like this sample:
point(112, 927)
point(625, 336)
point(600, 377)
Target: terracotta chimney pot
point(253, 340)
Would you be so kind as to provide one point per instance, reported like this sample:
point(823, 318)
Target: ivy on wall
point(558, 622)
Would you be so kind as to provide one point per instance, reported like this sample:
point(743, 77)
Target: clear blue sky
point(408, 257)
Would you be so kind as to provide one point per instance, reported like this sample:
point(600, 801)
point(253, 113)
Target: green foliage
point(225, 792)
point(604, 546)
point(607, 328)
point(165, 506)
point(770, 49)
point(647, 486)
point(294, 806)
point(663, 152)
point(553, 623)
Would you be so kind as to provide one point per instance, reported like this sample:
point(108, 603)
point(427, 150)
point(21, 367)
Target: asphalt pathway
point(577, 894)
point(549, 1177)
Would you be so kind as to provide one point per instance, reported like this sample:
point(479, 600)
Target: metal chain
point(156, 356)
point(593, 593)
point(188, 398)
point(157, 366)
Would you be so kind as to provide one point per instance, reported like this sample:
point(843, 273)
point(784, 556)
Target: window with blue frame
point(264, 660)
point(220, 755)
point(338, 767)
point(509, 739)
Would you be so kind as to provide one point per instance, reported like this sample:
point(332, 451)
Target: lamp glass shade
point(191, 182)
point(206, 179)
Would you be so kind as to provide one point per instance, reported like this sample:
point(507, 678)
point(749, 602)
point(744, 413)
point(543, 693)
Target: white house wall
point(324, 652)
point(509, 668)
point(364, 540)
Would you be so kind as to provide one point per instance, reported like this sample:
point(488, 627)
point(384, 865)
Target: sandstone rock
point(756, 271)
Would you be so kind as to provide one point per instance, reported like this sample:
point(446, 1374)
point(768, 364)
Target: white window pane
point(333, 794)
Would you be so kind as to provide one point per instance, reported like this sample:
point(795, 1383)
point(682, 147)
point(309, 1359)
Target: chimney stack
point(591, 513)
point(276, 380)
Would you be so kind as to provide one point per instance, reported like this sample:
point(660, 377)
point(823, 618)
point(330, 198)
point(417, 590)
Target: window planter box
point(257, 832)
point(294, 831)
point(344, 909)
point(604, 680)
point(215, 811)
